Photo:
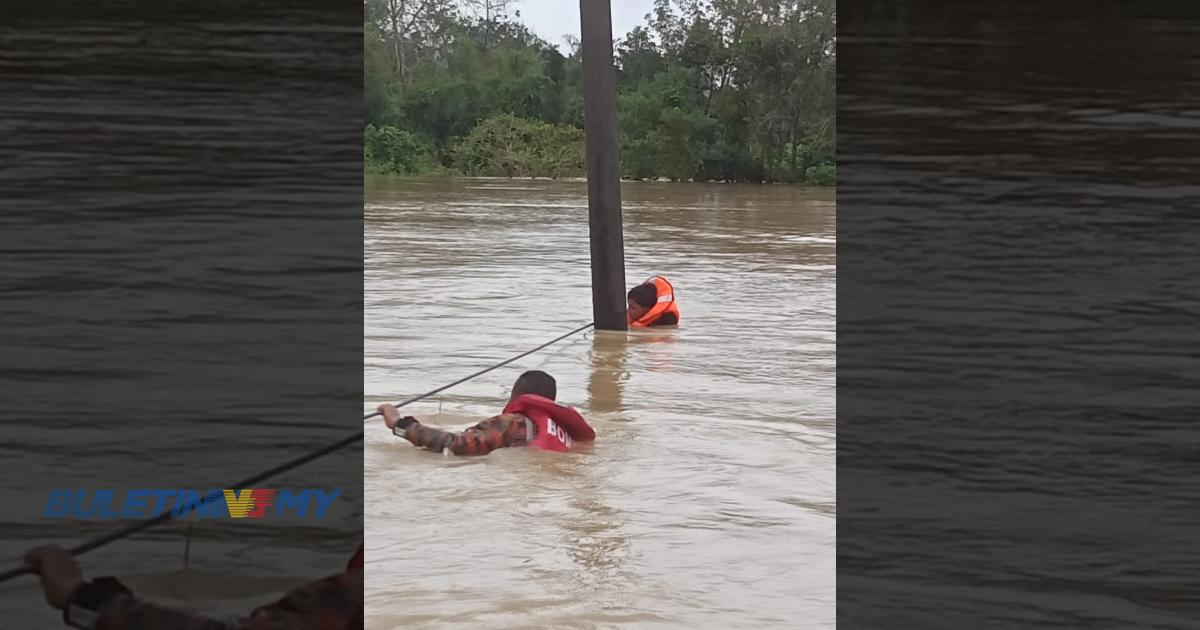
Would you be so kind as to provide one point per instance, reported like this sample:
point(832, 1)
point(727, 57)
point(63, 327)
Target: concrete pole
point(603, 170)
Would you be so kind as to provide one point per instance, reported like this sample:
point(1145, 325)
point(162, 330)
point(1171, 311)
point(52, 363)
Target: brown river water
point(708, 499)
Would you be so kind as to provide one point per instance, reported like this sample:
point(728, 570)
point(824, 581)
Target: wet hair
point(536, 382)
point(644, 294)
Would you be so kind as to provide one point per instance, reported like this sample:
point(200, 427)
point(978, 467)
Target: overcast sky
point(551, 19)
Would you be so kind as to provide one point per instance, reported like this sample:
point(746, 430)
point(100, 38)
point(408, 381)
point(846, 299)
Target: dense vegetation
point(733, 90)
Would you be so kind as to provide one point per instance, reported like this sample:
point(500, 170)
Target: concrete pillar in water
point(603, 170)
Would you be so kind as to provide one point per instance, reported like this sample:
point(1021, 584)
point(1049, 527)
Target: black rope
point(167, 515)
point(484, 371)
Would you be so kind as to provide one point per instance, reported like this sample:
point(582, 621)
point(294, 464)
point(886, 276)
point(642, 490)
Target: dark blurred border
point(181, 236)
point(1018, 355)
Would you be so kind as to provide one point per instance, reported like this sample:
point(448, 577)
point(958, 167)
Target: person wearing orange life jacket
point(652, 303)
point(531, 418)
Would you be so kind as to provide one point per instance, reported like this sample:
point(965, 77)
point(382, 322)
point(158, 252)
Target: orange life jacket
point(665, 304)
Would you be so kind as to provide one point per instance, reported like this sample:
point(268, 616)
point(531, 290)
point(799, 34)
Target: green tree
point(736, 90)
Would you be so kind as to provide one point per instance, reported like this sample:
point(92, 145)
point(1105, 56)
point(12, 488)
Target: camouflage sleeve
point(334, 603)
point(480, 439)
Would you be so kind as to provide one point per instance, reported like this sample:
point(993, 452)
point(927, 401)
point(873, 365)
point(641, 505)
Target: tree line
point(707, 90)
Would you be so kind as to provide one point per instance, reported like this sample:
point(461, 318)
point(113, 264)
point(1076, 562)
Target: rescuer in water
point(652, 303)
point(531, 418)
point(333, 603)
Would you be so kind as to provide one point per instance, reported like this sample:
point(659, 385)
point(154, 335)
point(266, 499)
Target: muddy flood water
point(707, 500)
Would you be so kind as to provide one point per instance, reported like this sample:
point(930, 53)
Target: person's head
point(535, 382)
point(641, 299)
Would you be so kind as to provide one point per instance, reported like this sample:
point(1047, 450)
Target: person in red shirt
point(333, 603)
point(531, 418)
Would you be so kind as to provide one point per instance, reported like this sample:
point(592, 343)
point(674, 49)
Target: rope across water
point(166, 515)
point(484, 371)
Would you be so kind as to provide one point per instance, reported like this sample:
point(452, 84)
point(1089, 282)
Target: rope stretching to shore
point(484, 371)
point(166, 515)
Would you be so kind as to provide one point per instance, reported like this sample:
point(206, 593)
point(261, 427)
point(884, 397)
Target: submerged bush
point(393, 150)
point(821, 175)
point(508, 146)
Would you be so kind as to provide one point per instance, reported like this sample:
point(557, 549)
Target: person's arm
point(334, 603)
point(667, 319)
point(480, 439)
